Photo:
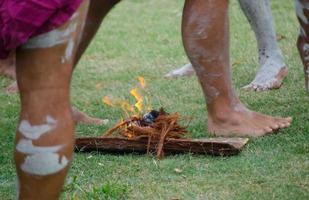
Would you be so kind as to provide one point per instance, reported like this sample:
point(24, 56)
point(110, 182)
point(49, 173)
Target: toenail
point(275, 126)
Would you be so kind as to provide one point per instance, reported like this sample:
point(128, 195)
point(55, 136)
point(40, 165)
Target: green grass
point(143, 38)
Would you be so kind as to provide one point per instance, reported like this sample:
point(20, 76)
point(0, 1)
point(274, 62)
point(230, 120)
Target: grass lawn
point(143, 38)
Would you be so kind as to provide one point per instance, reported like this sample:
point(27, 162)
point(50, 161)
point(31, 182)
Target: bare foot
point(12, 88)
point(242, 122)
point(186, 70)
point(82, 118)
point(268, 78)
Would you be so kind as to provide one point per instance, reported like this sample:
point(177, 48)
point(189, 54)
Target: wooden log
point(211, 146)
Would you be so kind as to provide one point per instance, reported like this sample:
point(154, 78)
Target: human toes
point(250, 86)
point(268, 130)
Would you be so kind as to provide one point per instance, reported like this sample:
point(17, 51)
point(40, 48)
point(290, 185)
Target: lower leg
point(45, 136)
point(272, 69)
point(206, 40)
point(79, 117)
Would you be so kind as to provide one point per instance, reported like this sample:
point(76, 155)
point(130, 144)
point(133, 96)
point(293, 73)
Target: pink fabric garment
point(23, 19)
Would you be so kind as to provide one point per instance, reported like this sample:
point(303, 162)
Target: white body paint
point(307, 74)
point(56, 37)
point(40, 160)
point(43, 164)
point(306, 52)
point(51, 38)
point(271, 61)
point(26, 146)
point(270, 56)
point(35, 131)
point(300, 7)
point(306, 59)
point(68, 51)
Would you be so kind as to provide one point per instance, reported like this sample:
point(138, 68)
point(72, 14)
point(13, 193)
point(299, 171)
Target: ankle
point(226, 114)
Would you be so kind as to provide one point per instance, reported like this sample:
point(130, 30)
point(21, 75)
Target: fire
point(139, 104)
point(107, 101)
point(141, 81)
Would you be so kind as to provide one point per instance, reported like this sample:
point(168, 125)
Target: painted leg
point(302, 11)
point(45, 136)
point(272, 69)
point(97, 11)
point(206, 39)
point(79, 117)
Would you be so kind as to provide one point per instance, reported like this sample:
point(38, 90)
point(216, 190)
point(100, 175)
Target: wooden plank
point(211, 146)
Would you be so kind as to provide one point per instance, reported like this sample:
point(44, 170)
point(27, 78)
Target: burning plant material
point(155, 125)
point(145, 130)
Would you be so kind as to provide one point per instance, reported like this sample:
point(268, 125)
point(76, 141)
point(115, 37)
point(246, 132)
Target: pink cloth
point(23, 19)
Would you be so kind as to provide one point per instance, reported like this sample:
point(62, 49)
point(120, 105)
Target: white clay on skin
point(300, 7)
point(307, 73)
point(40, 160)
point(26, 146)
point(51, 38)
point(68, 51)
point(35, 131)
point(270, 56)
point(306, 52)
point(271, 59)
point(44, 163)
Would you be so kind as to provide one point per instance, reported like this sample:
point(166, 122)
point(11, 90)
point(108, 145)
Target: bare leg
point(45, 136)
point(97, 11)
point(302, 11)
point(79, 117)
point(206, 39)
point(272, 69)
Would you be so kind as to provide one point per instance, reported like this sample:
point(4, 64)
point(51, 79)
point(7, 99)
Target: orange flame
point(107, 101)
point(141, 81)
point(139, 104)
